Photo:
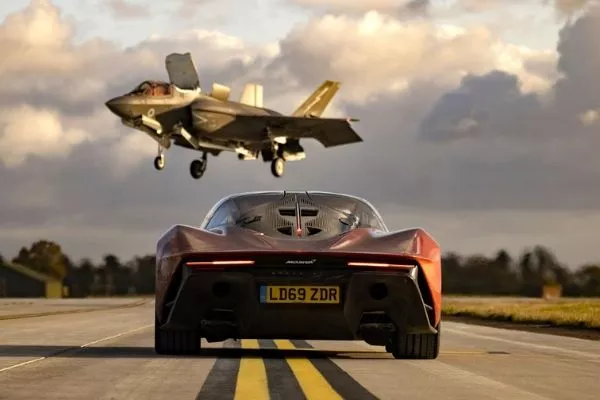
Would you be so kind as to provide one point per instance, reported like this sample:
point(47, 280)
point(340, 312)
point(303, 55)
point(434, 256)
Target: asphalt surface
point(15, 308)
point(109, 355)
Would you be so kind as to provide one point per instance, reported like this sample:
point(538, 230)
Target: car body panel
point(193, 261)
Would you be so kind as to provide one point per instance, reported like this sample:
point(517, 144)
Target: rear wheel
point(422, 346)
point(175, 342)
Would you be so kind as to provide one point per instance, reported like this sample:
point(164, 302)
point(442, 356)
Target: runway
point(109, 354)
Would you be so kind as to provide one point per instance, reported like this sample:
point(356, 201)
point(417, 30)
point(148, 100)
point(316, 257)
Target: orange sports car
point(298, 265)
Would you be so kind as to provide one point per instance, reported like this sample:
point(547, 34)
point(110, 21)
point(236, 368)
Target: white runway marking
point(526, 344)
point(73, 347)
point(22, 364)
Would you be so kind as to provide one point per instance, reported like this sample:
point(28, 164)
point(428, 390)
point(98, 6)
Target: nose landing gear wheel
point(278, 167)
point(197, 168)
point(159, 162)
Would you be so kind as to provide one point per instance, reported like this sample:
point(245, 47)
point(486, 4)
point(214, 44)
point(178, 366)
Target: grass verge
point(562, 313)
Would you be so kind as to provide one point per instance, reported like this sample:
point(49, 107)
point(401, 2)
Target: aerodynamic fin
point(182, 71)
point(317, 102)
point(252, 95)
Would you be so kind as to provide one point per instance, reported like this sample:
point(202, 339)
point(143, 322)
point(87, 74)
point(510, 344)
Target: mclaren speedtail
point(298, 265)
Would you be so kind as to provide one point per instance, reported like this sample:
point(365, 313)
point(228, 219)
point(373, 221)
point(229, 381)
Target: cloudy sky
point(480, 118)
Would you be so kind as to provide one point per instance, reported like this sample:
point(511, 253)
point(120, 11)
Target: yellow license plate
point(300, 294)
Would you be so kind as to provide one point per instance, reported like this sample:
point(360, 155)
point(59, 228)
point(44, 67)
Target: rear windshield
point(320, 215)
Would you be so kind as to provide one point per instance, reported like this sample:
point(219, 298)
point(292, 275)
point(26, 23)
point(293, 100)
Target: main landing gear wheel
point(159, 162)
point(198, 167)
point(278, 167)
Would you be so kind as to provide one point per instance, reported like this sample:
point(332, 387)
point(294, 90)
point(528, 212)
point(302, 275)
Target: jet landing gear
point(198, 167)
point(278, 167)
point(282, 151)
point(159, 161)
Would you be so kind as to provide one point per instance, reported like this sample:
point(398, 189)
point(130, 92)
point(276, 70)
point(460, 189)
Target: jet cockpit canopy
point(153, 88)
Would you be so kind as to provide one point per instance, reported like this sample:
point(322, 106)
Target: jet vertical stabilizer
point(317, 102)
point(252, 95)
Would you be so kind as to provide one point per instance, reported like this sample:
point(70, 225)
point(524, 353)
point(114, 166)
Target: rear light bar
point(381, 265)
point(252, 262)
point(218, 262)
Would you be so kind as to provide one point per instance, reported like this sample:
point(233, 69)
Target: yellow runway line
point(313, 384)
point(252, 377)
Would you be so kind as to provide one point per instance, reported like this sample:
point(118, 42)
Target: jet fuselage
point(202, 115)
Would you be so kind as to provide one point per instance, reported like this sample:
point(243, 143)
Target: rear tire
point(175, 342)
point(422, 346)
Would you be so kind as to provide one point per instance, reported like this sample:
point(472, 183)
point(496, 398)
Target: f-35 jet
point(179, 112)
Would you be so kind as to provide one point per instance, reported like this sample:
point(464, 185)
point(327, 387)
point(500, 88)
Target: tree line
point(501, 274)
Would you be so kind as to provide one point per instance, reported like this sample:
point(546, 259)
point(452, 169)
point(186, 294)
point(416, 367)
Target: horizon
point(479, 119)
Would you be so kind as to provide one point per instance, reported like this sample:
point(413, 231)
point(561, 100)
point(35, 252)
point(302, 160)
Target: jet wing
point(329, 131)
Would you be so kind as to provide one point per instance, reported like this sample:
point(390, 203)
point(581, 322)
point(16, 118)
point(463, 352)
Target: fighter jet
point(179, 112)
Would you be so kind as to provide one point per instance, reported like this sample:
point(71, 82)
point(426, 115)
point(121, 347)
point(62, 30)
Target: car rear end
point(298, 295)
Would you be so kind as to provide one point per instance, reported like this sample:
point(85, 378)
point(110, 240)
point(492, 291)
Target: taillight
point(381, 265)
point(218, 263)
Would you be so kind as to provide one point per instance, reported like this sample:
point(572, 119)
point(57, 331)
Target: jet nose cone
point(112, 105)
point(117, 106)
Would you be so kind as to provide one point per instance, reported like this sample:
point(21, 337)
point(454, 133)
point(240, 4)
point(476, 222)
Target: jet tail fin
point(252, 95)
point(317, 102)
point(182, 71)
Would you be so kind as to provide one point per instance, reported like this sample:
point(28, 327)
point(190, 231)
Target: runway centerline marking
point(313, 383)
point(252, 376)
point(68, 348)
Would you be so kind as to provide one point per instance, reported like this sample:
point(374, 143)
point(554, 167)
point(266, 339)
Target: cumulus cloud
point(27, 131)
point(377, 53)
point(410, 8)
point(190, 8)
point(394, 7)
point(33, 41)
point(564, 7)
point(569, 7)
point(125, 9)
point(589, 117)
point(455, 122)
point(544, 148)
point(497, 102)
